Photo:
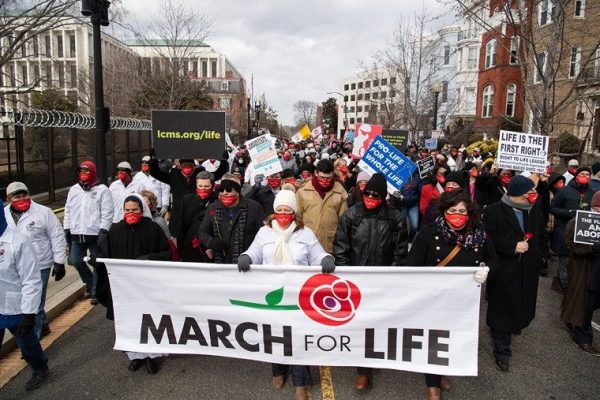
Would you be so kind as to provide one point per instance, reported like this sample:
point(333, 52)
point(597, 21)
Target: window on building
point(366, 108)
point(514, 48)
point(346, 86)
point(575, 60)
point(358, 120)
point(540, 67)
point(345, 98)
point(47, 46)
point(61, 76)
point(597, 64)
point(351, 109)
point(392, 93)
point(393, 80)
point(384, 82)
point(460, 60)
point(511, 91)
point(546, 10)
point(11, 76)
point(60, 52)
point(36, 45)
point(359, 96)
point(367, 96)
point(225, 86)
point(48, 75)
point(444, 92)
point(24, 77)
point(487, 101)
point(352, 98)
point(490, 54)
point(375, 95)
point(375, 82)
point(213, 68)
point(446, 55)
point(374, 108)
point(382, 95)
point(73, 75)
point(367, 84)
point(204, 68)
point(359, 109)
point(224, 102)
point(360, 85)
point(351, 120)
point(72, 47)
point(353, 86)
point(472, 59)
point(579, 9)
point(36, 75)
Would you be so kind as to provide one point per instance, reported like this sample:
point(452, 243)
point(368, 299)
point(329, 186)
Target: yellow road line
point(326, 383)
point(58, 210)
point(12, 364)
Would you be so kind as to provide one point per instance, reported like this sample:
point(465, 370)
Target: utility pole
point(97, 10)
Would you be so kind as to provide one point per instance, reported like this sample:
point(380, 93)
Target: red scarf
point(322, 190)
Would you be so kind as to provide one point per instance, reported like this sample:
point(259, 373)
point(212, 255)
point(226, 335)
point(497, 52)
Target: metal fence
point(43, 148)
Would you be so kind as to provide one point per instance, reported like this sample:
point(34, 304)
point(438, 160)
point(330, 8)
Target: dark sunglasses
point(227, 190)
point(371, 194)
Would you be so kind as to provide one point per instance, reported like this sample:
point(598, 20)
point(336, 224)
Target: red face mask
point(505, 179)
point(284, 220)
point(371, 204)
point(274, 182)
point(456, 221)
point(122, 175)
point(449, 189)
point(343, 169)
point(549, 170)
point(132, 218)
point(362, 186)
point(323, 182)
point(229, 201)
point(441, 179)
point(290, 180)
point(559, 185)
point(21, 205)
point(573, 170)
point(474, 173)
point(203, 193)
point(187, 171)
point(145, 167)
point(287, 157)
point(532, 197)
point(84, 177)
point(306, 175)
point(582, 180)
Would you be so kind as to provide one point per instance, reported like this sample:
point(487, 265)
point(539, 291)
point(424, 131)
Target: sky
point(298, 49)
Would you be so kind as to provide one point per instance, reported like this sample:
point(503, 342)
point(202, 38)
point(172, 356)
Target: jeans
point(300, 373)
point(30, 348)
point(562, 273)
point(413, 220)
point(89, 277)
point(502, 342)
point(584, 333)
point(41, 318)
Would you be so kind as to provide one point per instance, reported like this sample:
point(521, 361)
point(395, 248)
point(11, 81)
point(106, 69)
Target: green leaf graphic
point(273, 298)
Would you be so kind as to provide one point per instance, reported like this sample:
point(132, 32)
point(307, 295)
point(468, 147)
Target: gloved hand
point(258, 179)
point(481, 275)
point(218, 244)
point(164, 210)
point(68, 236)
point(27, 323)
point(58, 272)
point(225, 155)
point(397, 195)
point(92, 260)
point(328, 265)
point(244, 262)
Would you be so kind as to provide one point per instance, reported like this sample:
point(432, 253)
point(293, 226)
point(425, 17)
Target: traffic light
point(87, 7)
point(97, 9)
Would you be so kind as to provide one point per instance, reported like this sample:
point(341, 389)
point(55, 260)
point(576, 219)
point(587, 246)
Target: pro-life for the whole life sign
point(188, 134)
point(587, 227)
point(522, 151)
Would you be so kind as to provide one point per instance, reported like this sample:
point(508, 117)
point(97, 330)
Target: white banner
point(264, 154)
point(422, 319)
point(522, 151)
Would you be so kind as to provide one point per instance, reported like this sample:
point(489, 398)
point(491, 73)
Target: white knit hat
point(286, 198)
point(124, 165)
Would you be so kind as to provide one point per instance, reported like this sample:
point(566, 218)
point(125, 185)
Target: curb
point(55, 305)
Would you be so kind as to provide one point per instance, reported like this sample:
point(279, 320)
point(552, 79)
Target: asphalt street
point(546, 364)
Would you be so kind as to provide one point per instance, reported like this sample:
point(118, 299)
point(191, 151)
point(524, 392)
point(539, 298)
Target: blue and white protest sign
point(431, 144)
point(381, 156)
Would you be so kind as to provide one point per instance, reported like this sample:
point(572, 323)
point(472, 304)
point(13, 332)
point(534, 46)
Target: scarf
point(467, 239)
point(283, 255)
point(511, 203)
point(322, 190)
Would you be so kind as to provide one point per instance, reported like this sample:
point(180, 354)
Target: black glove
point(27, 323)
point(218, 244)
point(225, 155)
point(92, 260)
point(328, 265)
point(68, 236)
point(58, 272)
point(102, 234)
point(244, 262)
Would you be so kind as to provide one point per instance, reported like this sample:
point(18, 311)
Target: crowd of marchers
point(320, 210)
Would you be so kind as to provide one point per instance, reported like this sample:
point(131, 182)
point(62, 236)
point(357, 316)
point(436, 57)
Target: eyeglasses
point(226, 190)
point(371, 194)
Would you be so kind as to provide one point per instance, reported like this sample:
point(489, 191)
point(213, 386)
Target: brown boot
point(301, 393)
point(278, 382)
point(445, 385)
point(434, 393)
point(362, 382)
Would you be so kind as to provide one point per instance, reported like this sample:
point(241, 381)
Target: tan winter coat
point(321, 215)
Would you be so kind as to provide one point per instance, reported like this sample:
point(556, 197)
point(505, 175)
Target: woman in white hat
point(285, 241)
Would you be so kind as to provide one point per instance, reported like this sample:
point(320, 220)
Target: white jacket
point(20, 278)
point(160, 189)
point(304, 246)
point(44, 231)
point(88, 211)
point(119, 193)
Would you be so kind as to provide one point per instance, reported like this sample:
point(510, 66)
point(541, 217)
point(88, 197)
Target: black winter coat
point(180, 186)
point(564, 206)
point(191, 216)
point(512, 287)
point(263, 195)
point(429, 249)
point(378, 238)
point(145, 241)
point(490, 190)
point(238, 233)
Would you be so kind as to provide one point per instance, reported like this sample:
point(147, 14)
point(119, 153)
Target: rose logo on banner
point(326, 299)
point(329, 300)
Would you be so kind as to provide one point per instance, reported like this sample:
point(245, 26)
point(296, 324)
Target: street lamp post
point(257, 110)
point(98, 11)
point(436, 88)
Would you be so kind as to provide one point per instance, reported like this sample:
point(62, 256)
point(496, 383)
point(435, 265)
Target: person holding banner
point(371, 233)
point(517, 229)
point(582, 296)
point(230, 224)
point(456, 238)
point(286, 241)
point(135, 237)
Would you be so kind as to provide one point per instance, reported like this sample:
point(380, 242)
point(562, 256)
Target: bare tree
point(306, 112)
